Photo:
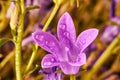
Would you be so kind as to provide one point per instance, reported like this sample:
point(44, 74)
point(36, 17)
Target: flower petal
point(86, 38)
point(69, 69)
point(66, 29)
point(49, 61)
point(81, 59)
point(46, 41)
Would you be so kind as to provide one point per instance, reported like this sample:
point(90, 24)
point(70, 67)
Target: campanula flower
point(67, 51)
point(116, 20)
point(109, 33)
point(45, 6)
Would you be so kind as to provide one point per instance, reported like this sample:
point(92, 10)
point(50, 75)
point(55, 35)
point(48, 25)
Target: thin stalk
point(6, 59)
point(78, 3)
point(51, 16)
point(18, 44)
point(18, 50)
point(31, 59)
point(71, 2)
point(104, 57)
point(44, 29)
point(72, 77)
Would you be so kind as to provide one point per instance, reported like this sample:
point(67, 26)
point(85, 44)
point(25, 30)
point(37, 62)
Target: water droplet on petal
point(52, 60)
point(39, 37)
point(78, 60)
point(52, 44)
point(89, 37)
point(67, 34)
point(46, 42)
point(82, 41)
point(63, 27)
point(47, 63)
point(66, 49)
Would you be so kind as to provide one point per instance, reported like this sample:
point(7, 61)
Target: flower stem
point(78, 3)
point(44, 29)
point(18, 44)
point(31, 59)
point(71, 2)
point(51, 16)
point(102, 59)
point(6, 59)
point(72, 77)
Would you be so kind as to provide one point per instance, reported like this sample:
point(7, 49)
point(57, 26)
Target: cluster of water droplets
point(49, 60)
point(85, 38)
point(63, 31)
point(46, 43)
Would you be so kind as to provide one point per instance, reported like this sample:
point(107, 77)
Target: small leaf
point(3, 41)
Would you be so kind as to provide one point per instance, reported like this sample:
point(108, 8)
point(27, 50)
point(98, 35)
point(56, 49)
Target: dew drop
point(67, 34)
point(63, 26)
point(82, 41)
point(66, 49)
point(89, 37)
point(52, 44)
point(46, 42)
point(39, 37)
point(78, 60)
point(47, 63)
point(52, 59)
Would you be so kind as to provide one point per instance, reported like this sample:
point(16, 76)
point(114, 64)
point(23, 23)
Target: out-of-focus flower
point(91, 48)
point(67, 52)
point(116, 20)
point(10, 9)
point(14, 18)
point(44, 5)
point(51, 74)
point(109, 34)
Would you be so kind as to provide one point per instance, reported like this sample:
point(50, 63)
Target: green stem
point(104, 57)
point(78, 3)
point(72, 77)
point(51, 16)
point(18, 45)
point(44, 29)
point(71, 2)
point(6, 59)
point(18, 50)
point(31, 59)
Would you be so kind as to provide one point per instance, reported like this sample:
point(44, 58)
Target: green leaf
point(3, 41)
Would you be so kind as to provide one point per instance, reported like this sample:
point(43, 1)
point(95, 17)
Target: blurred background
point(101, 14)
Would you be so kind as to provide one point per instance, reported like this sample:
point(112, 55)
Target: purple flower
point(67, 52)
point(10, 9)
point(116, 19)
point(45, 6)
point(90, 48)
point(109, 34)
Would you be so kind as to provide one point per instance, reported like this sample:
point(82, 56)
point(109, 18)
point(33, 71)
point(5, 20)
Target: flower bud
point(14, 18)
